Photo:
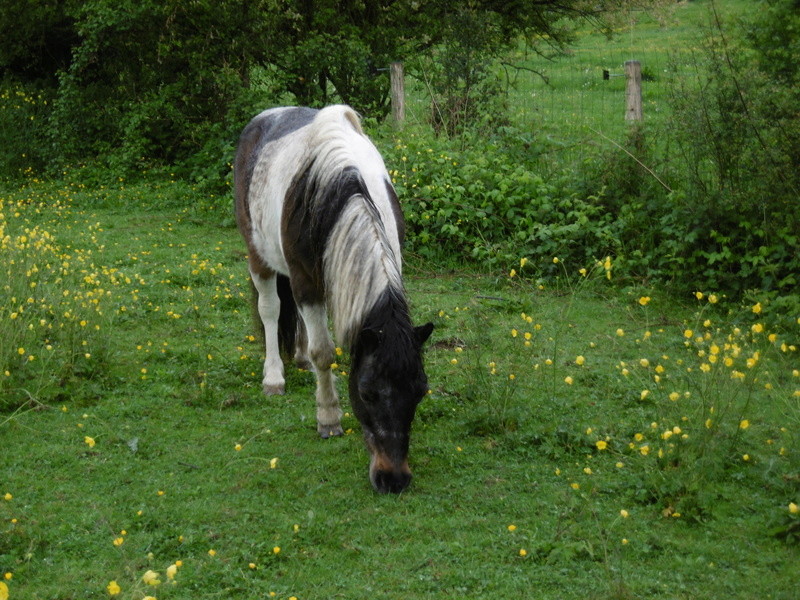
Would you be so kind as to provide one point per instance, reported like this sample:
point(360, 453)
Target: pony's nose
point(391, 482)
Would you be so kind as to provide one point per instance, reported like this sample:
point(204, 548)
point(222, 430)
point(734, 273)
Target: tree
point(170, 82)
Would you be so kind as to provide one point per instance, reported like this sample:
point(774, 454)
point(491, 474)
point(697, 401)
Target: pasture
point(580, 439)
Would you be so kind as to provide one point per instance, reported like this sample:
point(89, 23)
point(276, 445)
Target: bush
point(738, 134)
point(489, 206)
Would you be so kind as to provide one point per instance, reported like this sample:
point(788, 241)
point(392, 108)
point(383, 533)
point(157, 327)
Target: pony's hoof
point(277, 389)
point(303, 363)
point(326, 431)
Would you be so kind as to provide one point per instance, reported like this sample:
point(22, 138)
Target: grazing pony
point(323, 229)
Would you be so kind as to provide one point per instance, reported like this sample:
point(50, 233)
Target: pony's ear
point(423, 332)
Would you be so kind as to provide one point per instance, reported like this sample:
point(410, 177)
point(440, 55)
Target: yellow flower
point(744, 424)
point(237, 447)
point(119, 541)
point(644, 362)
point(276, 550)
point(757, 308)
point(212, 552)
point(89, 441)
point(3, 591)
point(713, 299)
point(151, 578)
point(555, 260)
point(580, 360)
point(620, 332)
point(601, 444)
point(522, 262)
point(624, 513)
point(644, 394)
point(7, 496)
point(273, 462)
point(793, 508)
point(575, 485)
point(698, 295)
point(644, 300)
point(113, 588)
point(512, 527)
point(688, 333)
point(757, 328)
point(568, 380)
point(513, 273)
point(674, 396)
point(523, 553)
point(171, 571)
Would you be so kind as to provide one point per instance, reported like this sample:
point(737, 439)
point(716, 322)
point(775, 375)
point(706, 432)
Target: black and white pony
point(323, 229)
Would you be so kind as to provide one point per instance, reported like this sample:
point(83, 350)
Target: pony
point(324, 229)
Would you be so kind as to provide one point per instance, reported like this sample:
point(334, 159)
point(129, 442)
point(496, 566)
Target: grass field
point(579, 441)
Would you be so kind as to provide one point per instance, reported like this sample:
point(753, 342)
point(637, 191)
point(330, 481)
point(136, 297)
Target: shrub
point(488, 205)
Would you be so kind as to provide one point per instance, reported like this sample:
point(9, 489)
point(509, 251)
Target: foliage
point(151, 82)
point(737, 131)
point(489, 204)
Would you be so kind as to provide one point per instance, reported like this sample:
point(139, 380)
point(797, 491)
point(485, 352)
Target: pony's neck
point(361, 267)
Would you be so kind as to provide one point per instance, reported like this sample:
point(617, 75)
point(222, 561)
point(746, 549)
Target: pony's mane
point(390, 320)
point(361, 255)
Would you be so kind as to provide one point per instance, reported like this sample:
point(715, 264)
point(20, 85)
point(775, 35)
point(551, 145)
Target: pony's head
point(387, 382)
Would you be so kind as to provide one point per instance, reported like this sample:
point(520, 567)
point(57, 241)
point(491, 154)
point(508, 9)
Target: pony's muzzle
point(388, 478)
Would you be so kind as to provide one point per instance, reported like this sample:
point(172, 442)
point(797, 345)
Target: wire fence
point(578, 100)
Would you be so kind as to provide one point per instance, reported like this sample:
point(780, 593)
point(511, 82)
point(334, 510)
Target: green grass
point(172, 385)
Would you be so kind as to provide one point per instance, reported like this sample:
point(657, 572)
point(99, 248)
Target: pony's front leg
point(269, 307)
point(321, 354)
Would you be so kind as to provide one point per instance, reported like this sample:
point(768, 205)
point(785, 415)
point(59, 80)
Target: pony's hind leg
point(321, 353)
point(301, 347)
point(269, 307)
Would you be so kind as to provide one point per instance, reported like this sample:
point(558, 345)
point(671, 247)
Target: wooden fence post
point(633, 90)
point(398, 92)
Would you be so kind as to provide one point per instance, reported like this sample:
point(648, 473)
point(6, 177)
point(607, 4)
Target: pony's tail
point(287, 319)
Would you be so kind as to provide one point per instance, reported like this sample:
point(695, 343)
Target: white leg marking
point(269, 307)
point(320, 351)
